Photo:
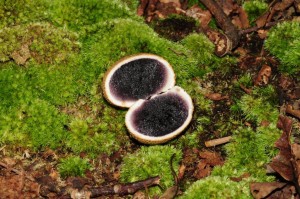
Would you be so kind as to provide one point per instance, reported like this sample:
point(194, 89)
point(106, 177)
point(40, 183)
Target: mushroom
point(160, 118)
point(145, 83)
point(137, 77)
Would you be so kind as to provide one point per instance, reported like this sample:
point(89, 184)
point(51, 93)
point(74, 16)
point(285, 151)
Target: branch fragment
point(124, 189)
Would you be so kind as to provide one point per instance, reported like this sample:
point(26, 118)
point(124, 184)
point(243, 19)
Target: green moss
point(249, 152)
point(201, 47)
point(18, 12)
point(115, 39)
point(283, 42)
point(44, 43)
point(254, 9)
point(259, 106)
point(73, 166)
point(214, 187)
point(76, 14)
point(35, 124)
point(84, 136)
point(151, 161)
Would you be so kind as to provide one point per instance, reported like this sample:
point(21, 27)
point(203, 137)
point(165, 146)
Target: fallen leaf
point(289, 109)
point(21, 55)
point(240, 178)
point(216, 96)
point(263, 189)
point(181, 172)
point(170, 193)
point(203, 16)
point(263, 76)
point(211, 158)
point(281, 163)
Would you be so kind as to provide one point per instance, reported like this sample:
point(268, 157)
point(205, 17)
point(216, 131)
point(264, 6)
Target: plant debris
point(286, 164)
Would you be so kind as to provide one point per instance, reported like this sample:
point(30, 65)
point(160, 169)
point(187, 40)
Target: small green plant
point(76, 14)
point(151, 161)
point(38, 42)
point(254, 9)
point(73, 166)
point(283, 41)
point(259, 106)
point(215, 187)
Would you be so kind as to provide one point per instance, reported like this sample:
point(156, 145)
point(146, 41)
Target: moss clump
point(16, 12)
point(283, 41)
point(85, 136)
point(214, 187)
point(249, 152)
point(36, 124)
point(259, 106)
point(254, 9)
point(117, 38)
point(149, 162)
point(39, 42)
point(73, 166)
point(201, 47)
point(76, 14)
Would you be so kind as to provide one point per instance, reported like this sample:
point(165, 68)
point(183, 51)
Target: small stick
point(223, 21)
point(124, 189)
point(218, 141)
point(289, 109)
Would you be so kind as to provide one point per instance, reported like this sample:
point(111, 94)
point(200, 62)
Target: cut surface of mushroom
point(160, 118)
point(137, 77)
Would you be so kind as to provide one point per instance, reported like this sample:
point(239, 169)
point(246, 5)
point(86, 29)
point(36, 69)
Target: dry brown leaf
point(238, 179)
point(181, 172)
point(216, 96)
point(21, 55)
point(289, 109)
point(211, 158)
point(263, 189)
point(262, 20)
point(263, 76)
point(281, 163)
point(203, 16)
point(170, 193)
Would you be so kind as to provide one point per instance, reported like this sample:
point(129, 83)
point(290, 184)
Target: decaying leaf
point(21, 55)
point(208, 160)
point(290, 110)
point(216, 96)
point(286, 164)
point(203, 16)
point(263, 76)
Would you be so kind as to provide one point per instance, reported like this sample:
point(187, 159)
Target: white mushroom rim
point(160, 139)
point(170, 78)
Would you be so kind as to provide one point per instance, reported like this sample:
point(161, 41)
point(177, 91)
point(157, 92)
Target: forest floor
point(245, 130)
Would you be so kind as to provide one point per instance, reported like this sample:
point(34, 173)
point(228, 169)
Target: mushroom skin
point(137, 77)
point(160, 118)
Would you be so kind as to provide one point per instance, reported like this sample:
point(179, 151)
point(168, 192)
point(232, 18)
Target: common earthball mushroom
point(137, 77)
point(160, 118)
point(145, 83)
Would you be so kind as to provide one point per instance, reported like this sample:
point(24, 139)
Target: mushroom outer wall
point(107, 77)
point(146, 139)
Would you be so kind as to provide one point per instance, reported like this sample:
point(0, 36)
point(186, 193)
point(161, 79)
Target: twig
point(256, 28)
point(124, 189)
point(219, 141)
point(223, 21)
point(289, 109)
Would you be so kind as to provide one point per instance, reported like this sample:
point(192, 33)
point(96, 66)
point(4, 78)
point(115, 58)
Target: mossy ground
point(53, 55)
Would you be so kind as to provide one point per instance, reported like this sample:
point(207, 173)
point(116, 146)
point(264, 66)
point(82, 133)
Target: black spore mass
point(138, 79)
point(160, 115)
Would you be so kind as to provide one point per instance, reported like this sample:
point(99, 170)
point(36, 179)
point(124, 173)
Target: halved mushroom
point(160, 118)
point(137, 77)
